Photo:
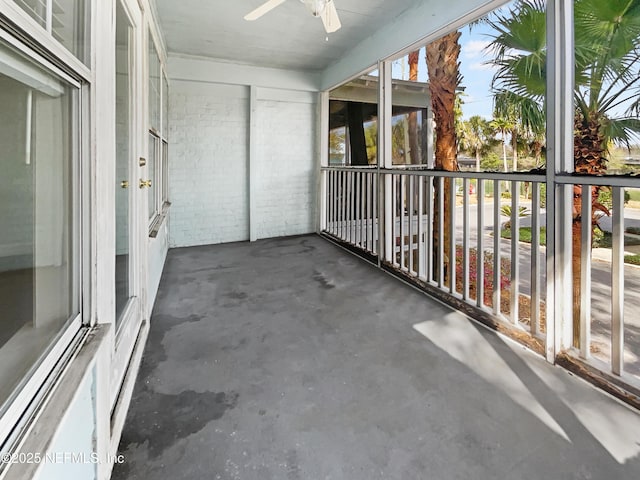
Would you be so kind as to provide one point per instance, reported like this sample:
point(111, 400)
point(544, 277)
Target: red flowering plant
point(487, 278)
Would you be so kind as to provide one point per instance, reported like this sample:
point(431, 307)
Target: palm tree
point(475, 137)
point(444, 77)
point(502, 125)
point(607, 60)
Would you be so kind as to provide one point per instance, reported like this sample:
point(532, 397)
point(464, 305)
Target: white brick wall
point(285, 180)
point(209, 163)
point(208, 149)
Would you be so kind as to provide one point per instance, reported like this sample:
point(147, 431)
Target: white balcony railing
point(477, 259)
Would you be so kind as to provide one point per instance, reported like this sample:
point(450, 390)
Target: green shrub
point(491, 161)
point(605, 197)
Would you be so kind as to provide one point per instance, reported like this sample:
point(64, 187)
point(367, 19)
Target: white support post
point(253, 132)
point(431, 158)
point(384, 156)
point(323, 142)
point(560, 113)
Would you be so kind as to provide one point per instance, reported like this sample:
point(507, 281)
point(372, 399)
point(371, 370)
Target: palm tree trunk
point(587, 147)
point(504, 152)
point(514, 142)
point(444, 77)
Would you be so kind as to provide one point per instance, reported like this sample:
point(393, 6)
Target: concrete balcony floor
point(292, 359)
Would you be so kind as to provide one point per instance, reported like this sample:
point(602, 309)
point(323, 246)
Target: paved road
point(601, 280)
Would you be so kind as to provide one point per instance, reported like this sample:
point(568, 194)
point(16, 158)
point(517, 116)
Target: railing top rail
point(517, 176)
point(360, 168)
point(604, 180)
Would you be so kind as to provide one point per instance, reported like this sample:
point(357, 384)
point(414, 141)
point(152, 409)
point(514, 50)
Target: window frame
point(40, 35)
point(158, 135)
point(17, 410)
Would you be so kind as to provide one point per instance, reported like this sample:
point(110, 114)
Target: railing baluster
point(366, 210)
point(617, 283)
point(515, 253)
point(358, 215)
point(330, 200)
point(411, 192)
point(441, 231)
point(480, 246)
point(351, 198)
point(421, 230)
point(496, 247)
point(403, 230)
point(452, 237)
point(535, 259)
point(394, 202)
point(336, 202)
point(585, 273)
point(466, 233)
point(429, 267)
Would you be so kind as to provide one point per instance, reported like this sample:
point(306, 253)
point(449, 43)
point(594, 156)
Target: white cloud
point(474, 48)
point(482, 66)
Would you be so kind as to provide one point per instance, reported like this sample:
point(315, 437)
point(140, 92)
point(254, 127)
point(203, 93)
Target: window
point(152, 173)
point(353, 122)
point(66, 20)
point(39, 214)
point(157, 164)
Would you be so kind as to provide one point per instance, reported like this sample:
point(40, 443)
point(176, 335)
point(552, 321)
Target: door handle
point(145, 183)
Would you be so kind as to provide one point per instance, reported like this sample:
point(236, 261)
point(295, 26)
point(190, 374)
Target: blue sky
point(476, 74)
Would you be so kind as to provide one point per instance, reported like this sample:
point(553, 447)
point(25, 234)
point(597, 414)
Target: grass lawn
point(634, 194)
point(525, 234)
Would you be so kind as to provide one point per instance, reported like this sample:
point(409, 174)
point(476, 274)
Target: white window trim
point(19, 408)
point(40, 35)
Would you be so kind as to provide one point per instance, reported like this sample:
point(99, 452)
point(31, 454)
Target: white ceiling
point(287, 37)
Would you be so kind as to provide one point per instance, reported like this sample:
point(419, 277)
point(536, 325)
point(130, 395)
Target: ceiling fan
point(325, 9)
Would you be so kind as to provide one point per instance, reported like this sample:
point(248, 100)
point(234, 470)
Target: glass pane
point(353, 122)
point(123, 159)
point(37, 238)
point(69, 22)
point(151, 174)
point(154, 86)
point(410, 124)
point(165, 107)
point(70, 26)
point(37, 9)
point(165, 171)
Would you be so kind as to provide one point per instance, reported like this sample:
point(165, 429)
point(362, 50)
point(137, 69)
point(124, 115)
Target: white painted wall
point(208, 128)
point(74, 438)
point(157, 253)
point(284, 164)
point(239, 169)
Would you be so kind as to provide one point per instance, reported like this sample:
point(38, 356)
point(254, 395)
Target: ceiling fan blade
point(330, 18)
point(262, 9)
